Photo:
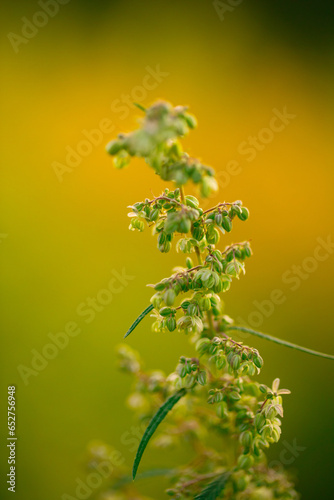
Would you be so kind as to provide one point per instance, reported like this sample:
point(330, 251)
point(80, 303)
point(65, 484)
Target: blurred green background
point(61, 241)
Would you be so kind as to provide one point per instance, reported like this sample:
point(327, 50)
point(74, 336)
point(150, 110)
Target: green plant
point(213, 394)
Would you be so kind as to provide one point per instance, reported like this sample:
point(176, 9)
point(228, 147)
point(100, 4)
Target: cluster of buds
point(206, 281)
point(157, 141)
point(224, 351)
point(239, 409)
point(189, 373)
point(169, 215)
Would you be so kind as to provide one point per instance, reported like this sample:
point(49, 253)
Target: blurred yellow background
point(63, 237)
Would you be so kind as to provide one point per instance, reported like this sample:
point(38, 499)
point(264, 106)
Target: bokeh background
point(61, 241)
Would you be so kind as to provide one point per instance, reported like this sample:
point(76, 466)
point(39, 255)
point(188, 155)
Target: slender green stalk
point(279, 341)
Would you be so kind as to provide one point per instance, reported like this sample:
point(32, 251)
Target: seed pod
point(183, 372)
point(184, 225)
point(205, 304)
point(246, 439)
point(243, 214)
point(258, 361)
point(156, 300)
point(190, 120)
point(185, 303)
point(218, 219)
point(227, 224)
point(218, 287)
point(198, 233)
point(169, 297)
point(191, 201)
point(257, 451)
point(219, 397)
point(245, 461)
point(251, 369)
point(176, 149)
point(121, 160)
point(275, 435)
point(235, 362)
point(232, 269)
point(171, 323)
point(161, 238)
point(248, 251)
point(192, 309)
point(190, 381)
point(154, 214)
point(165, 248)
point(221, 410)
point(140, 225)
point(202, 345)
point(196, 174)
point(113, 147)
point(259, 421)
point(189, 263)
point(220, 361)
point(201, 377)
point(235, 396)
point(165, 311)
point(212, 236)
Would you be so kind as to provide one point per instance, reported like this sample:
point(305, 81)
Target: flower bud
point(227, 224)
point(259, 421)
point(202, 346)
point(235, 362)
point(246, 439)
point(245, 461)
point(113, 147)
point(192, 309)
point(244, 214)
point(221, 410)
point(258, 361)
point(190, 120)
point(235, 396)
point(171, 323)
point(189, 263)
point(201, 377)
point(191, 201)
point(218, 219)
point(165, 311)
point(169, 297)
point(121, 160)
point(205, 304)
point(154, 214)
point(219, 397)
point(198, 233)
point(184, 225)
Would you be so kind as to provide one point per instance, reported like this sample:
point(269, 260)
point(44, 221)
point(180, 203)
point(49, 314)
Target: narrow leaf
point(213, 490)
point(279, 341)
point(144, 475)
point(153, 425)
point(139, 106)
point(138, 320)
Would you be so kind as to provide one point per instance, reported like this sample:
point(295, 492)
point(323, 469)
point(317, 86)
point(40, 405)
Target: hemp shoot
point(211, 403)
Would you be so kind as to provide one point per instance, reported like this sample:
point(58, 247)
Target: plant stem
point(279, 341)
point(182, 195)
point(198, 255)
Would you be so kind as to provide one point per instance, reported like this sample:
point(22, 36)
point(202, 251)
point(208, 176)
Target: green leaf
point(139, 106)
point(144, 475)
point(213, 490)
point(153, 425)
point(138, 320)
point(279, 341)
